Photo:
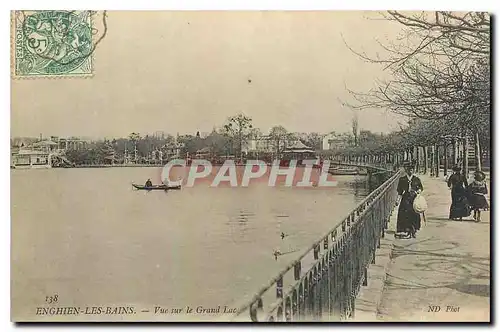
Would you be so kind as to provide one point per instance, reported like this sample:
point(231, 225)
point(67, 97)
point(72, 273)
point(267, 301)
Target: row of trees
point(440, 79)
point(231, 139)
point(133, 148)
point(239, 130)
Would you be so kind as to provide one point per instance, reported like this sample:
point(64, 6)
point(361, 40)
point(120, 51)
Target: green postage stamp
point(54, 43)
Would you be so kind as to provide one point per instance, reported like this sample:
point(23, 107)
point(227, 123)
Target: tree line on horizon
point(229, 140)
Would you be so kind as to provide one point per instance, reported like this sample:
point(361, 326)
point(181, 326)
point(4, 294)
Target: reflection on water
point(360, 186)
point(86, 235)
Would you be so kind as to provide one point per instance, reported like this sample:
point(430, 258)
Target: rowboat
point(344, 170)
point(156, 187)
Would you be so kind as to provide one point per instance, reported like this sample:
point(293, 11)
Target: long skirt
point(459, 204)
point(478, 202)
point(408, 219)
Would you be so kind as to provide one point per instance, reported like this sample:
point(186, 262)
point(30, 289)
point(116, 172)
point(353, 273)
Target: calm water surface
point(87, 236)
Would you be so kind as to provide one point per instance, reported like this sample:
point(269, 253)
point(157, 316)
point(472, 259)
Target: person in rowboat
point(148, 183)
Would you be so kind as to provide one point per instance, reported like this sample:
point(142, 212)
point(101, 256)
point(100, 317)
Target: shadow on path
point(447, 269)
point(448, 264)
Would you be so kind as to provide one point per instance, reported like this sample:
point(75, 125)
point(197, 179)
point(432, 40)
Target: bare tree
point(278, 135)
point(238, 128)
point(440, 69)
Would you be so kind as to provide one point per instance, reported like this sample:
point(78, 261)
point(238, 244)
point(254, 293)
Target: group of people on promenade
point(465, 198)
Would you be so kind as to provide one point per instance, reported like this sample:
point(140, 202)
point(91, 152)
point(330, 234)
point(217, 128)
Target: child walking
point(477, 193)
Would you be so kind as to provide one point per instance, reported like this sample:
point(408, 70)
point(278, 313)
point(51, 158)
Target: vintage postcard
point(250, 166)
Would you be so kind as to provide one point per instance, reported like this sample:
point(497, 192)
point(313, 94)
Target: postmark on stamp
point(55, 43)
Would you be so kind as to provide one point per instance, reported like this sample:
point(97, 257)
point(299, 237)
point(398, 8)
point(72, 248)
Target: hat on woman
point(456, 168)
point(479, 176)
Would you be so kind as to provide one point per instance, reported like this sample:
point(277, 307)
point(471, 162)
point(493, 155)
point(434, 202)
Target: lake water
point(87, 236)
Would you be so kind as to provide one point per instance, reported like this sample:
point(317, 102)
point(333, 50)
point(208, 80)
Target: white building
point(262, 143)
point(30, 159)
point(71, 143)
point(335, 141)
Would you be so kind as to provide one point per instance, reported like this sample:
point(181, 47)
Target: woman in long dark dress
point(409, 186)
point(459, 204)
point(477, 195)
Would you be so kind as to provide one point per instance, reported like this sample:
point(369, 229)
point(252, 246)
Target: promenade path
point(447, 266)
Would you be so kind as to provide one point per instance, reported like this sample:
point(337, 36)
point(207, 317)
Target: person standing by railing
point(409, 186)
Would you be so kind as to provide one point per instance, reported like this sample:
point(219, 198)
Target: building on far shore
point(31, 159)
point(334, 141)
point(204, 153)
point(299, 151)
point(71, 143)
point(45, 146)
point(44, 153)
point(262, 144)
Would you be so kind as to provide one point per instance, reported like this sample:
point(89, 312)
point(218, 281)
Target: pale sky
point(188, 71)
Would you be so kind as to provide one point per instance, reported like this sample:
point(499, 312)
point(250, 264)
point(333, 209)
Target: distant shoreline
point(86, 166)
point(117, 165)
